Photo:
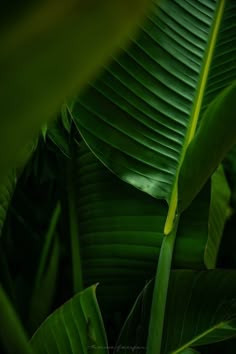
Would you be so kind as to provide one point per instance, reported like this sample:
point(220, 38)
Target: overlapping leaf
point(121, 230)
point(76, 327)
point(140, 115)
point(49, 51)
point(200, 310)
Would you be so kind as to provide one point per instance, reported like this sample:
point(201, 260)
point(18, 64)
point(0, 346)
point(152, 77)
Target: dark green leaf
point(45, 281)
point(121, 232)
point(12, 334)
point(6, 189)
point(201, 310)
point(215, 136)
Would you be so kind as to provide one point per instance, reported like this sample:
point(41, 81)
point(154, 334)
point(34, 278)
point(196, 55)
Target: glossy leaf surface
point(121, 231)
point(141, 114)
point(76, 327)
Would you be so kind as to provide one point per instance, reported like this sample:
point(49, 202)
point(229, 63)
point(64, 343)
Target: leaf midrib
point(219, 325)
point(195, 113)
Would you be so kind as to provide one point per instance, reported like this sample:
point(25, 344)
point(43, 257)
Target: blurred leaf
point(45, 281)
point(66, 117)
point(59, 136)
point(6, 189)
point(74, 229)
point(12, 334)
point(49, 51)
point(76, 327)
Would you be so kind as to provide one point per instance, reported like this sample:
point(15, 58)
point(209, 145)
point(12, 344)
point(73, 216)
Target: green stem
point(160, 291)
point(48, 241)
point(74, 227)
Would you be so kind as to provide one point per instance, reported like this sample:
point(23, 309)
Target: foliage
point(114, 176)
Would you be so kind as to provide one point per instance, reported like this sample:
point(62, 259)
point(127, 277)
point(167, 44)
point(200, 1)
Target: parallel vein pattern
point(74, 328)
point(135, 116)
point(121, 231)
point(204, 312)
point(223, 68)
point(200, 310)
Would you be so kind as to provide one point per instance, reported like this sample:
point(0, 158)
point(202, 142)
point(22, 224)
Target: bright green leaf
point(76, 327)
point(140, 115)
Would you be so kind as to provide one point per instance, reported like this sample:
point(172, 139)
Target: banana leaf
point(200, 311)
point(76, 327)
point(141, 114)
point(121, 231)
point(162, 116)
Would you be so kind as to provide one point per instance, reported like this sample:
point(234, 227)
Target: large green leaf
point(200, 310)
point(141, 114)
point(76, 327)
point(215, 137)
point(121, 231)
point(49, 51)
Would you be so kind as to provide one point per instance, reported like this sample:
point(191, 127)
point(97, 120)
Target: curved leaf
point(49, 51)
point(200, 310)
point(206, 151)
point(121, 231)
point(76, 327)
point(141, 114)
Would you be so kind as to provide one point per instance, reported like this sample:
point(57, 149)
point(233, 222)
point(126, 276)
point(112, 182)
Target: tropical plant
point(131, 170)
